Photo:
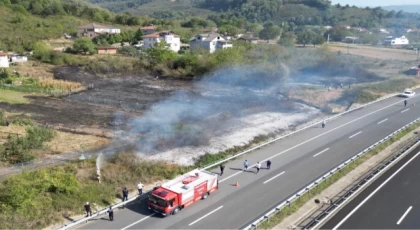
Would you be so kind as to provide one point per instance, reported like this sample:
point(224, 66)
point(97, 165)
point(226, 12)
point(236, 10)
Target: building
point(106, 50)
point(395, 41)
point(172, 41)
point(4, 60)
point(92, 30)
point(18, 59)
point(148, 29)
point(210, 42)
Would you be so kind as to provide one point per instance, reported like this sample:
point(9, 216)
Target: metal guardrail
point(315, 183)
point(67, 226)
point(371, 176)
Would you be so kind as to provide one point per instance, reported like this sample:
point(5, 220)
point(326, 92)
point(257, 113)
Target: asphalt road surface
point(390, 202)
point(296, 161)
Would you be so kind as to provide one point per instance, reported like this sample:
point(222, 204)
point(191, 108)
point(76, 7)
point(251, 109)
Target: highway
point(296, 161)
point(390, 202)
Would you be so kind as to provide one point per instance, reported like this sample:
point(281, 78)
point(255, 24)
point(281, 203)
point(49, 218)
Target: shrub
point(19, 149)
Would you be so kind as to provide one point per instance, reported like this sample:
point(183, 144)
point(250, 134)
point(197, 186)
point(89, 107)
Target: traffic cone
point(236, 184)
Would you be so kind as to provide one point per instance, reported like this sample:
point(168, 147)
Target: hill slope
point(406, 8)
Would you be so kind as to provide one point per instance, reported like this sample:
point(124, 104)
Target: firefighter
point(268, 164)
point(88, 209)
point(258, 167)
point(222, 168)
point(140, 188)
point(125, 195)
point(323, 123)
point(111, 213)
point(405, 103)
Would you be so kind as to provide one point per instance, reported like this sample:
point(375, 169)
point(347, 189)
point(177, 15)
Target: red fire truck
point(174, 195)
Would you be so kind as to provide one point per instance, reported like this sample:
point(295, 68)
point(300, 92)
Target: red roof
point(158, 34)
point(3, 54)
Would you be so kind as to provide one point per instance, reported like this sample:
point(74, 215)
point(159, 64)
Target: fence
point(254, 224)
point(66, 226)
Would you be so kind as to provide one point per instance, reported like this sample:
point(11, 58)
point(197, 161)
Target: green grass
point(13, 97)
point(294, 206)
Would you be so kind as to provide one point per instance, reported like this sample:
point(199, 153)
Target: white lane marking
point(403, 216)
point(382, 121)
point(321, 152)
point(220, 181)
point(138, 221)
point(208, 214)
point(405, 111)
point(313, 138)
point(355, 134)
point(374, 192)
point(274, 177)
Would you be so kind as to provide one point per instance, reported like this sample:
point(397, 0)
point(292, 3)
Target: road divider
point(315, 185)
point(323, 151)
point(274, 177)
point(355, 134)
point(208, 214)
point(404, 215)
point(382, 121)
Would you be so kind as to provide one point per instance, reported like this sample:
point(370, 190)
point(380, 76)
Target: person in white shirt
point(140, 188)
point(258, 166)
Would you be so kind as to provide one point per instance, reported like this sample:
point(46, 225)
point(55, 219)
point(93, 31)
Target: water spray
point(98, 167)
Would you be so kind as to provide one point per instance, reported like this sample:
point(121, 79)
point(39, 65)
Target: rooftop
point(96, 26)
point(188, 181)
point(207, 37)
point(160, 34)
point(148, 28)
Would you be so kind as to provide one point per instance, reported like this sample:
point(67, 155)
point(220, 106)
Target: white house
point(4, 60)
point(18, 59)
point(210, 42)
point(173, 41)
point(92, 30)
point(394, 41)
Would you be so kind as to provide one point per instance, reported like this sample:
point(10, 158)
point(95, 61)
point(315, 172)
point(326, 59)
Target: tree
point(338, 34)
point(287, 39)
point(138, 36)
point(305, 37)
point(160, 53)
point(84, 45)
point(318, 40)
point(41, 52)
point(270, 32)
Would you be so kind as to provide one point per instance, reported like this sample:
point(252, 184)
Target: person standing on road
point(88, 209)
point(258, 167)
point(323, 123)
point(268, 164)
point(246, 164)
point(222, 168)
point(125, 194)
point(111, 213)
point(405, 102)
point(140, 188)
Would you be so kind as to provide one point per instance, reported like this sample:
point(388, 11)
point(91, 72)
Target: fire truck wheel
point(205, 195)
point(175, 211)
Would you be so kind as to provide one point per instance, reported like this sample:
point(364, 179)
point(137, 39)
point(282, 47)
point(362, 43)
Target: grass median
point(295, 205)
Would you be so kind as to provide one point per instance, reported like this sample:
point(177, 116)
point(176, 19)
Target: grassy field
point(13, 97)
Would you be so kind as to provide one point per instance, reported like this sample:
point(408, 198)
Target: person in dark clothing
point(125, 194)
point(88, 210)
point(268, 164)
point(222, 168)
point(405, 103)
point(111, 213)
